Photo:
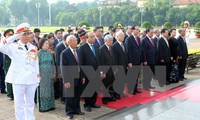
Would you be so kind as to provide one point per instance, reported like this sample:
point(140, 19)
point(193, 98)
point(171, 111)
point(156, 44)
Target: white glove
point(11, 39)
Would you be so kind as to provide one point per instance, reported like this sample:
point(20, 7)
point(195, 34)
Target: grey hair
point(108, 37)
point(69, 38)
point(118, 33)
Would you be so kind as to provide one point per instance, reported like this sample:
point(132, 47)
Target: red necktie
point(152, 42)
point(136, 41)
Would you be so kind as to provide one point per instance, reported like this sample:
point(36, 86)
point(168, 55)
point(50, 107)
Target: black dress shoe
point(168, 83)
point(4, 92)
point(134, 93)
point(137, 91)
point(151, 87)
point(184, 78)
point(87, 108)
point(70, 116)
point(111, 99)
point(80, 113)
point(105, 102)
point(96, 106)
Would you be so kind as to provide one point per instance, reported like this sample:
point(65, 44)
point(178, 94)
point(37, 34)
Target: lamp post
point(141, 10)
point(38, 5)
point(100, 3)
point(49, 14)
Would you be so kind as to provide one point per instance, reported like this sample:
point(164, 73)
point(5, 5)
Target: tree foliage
point(63, 13)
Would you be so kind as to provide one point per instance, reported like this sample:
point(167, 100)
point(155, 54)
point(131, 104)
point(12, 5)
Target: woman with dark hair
point(46, 98)
point(50, 38)
point(173, 44)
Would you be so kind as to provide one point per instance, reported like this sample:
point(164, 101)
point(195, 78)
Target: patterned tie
point(122, 45)
point(26, 47)
point(93, 50)
point(136, 40)
point(152, 42)
point(99, 42)
point(110, 51)
point(76, 56)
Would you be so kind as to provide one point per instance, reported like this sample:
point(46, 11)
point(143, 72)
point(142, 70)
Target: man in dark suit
point(2, 75)
point(98, 37)
point(36, 36)
point(70, 57)
point(149, 50)
point(120, 57)
point(156, 37)
point(134, 52)
point(58, 37)
point(183, 53)
point(107, 59)
point(164, 56)
point(128, 32)
point(89, 56)
point(58, 50)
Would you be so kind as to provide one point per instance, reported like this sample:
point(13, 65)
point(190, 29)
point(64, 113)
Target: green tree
point(167, 25)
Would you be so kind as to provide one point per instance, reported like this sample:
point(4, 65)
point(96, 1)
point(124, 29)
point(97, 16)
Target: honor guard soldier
point(23, 73)
point(6, 65)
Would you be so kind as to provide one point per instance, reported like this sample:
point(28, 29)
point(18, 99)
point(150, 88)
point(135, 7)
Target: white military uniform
point(23, 74)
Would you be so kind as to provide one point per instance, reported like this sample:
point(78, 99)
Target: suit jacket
point(68, 59)
point(156, 41)
point(134, 51)
point(163, 51)
point(101, 41)
point(58, 50)
point(183, 51)
point(174, 47)
point(24, 68)
point(120, 57)
point(149, 51)
point(106, 59)
point(1, 60)
point(56, 41)
point(87, 58)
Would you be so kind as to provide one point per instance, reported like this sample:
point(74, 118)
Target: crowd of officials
point(125, 47)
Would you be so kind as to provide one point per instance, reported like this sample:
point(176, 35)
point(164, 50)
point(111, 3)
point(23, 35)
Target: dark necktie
point(122, 45)
point(110, 51)
point(136, 40)
point(152, 42)
point(93, 50)
point(26, 47)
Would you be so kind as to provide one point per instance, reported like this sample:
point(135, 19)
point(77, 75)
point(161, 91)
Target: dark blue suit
point(72, 104)
point(101, 41)
point(149, 50)
point(183, 52)
point(2, 74)
point(56, 41)
point(134, 53)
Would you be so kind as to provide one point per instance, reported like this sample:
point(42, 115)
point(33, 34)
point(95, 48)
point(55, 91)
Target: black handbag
point(174, 76)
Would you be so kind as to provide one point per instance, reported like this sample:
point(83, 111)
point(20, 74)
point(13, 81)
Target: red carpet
point(185, 93)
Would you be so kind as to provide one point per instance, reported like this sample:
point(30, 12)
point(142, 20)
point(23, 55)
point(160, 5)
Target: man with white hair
point(119, 54)
point(23, 72)
point(70, 57)
point(107, 59)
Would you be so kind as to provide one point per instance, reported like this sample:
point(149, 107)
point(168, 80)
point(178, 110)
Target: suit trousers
point(2, 80)
point(181, 67)
point(9, 90)
point(24, 101)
